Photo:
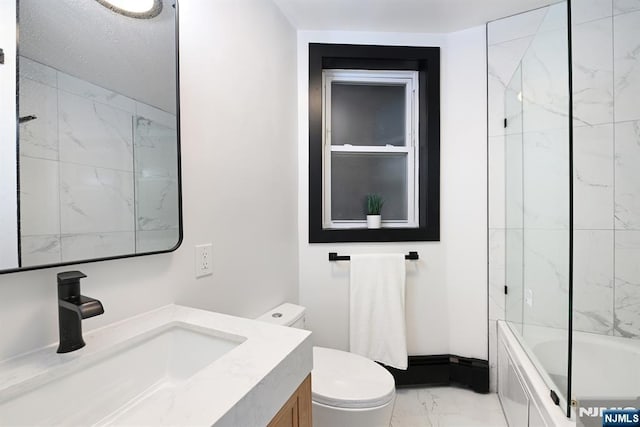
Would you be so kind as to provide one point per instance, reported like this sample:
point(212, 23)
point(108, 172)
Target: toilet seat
point(346, 380)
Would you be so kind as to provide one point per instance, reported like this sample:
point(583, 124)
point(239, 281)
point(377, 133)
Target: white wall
point(463, 184)
point(238, 97)
point(239, 185)
point(447, 287)
point(8, 213)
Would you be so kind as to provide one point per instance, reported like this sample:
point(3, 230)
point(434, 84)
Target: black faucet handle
point(70, 277)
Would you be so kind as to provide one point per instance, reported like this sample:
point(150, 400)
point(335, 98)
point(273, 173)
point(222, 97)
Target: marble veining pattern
point(96, 245)
point(625, 6)
point(95, 134)
point(505, 58)
point(513, 188)
point(593, 179)
point(555, 19)
point(156, 115)
point(592, 72)
point(544, 90)
point(248, 384)
point(446, 407)
point(627, 176)
point(593, 281)
point(156, 183)
point(40, 250)
point(35, 71)
point(496, 181)
point(39, 201)
point(606, 78)
point(92, 92)
point(627, 283)
point(156, 203)
point(84, 138)
point(514, 274)
point(95, 200)
point(590, 10)
point(545, 185)
point(496, 273)
point(515, 27)
point(38, 137)
point(546, 261)
point(155, 149)
point(626, 49)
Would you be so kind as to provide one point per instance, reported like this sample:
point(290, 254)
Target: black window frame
point(425, 60)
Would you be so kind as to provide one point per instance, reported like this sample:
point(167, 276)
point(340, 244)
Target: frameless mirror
point(98, 143)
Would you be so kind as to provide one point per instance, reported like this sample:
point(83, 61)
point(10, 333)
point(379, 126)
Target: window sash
point(409, 79)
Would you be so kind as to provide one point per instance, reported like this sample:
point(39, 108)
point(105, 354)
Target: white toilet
point(348, 390)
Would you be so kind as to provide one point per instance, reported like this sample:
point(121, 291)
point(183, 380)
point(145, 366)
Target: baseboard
point(443, 369)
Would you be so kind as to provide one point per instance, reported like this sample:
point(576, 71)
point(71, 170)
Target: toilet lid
point(348, 380)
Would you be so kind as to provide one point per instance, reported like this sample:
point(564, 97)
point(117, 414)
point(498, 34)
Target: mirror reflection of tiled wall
point(98, 171)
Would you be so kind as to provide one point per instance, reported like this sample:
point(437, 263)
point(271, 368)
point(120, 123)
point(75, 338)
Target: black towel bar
point(333, 256)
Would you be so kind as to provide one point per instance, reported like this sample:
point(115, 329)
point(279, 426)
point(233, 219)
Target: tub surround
point(523, 393)
point(605, 143)
point(245, 386)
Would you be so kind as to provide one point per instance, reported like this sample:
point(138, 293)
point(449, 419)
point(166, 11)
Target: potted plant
point(374, 206)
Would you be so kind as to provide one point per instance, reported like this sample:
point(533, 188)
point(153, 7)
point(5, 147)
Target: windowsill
point(385, 234)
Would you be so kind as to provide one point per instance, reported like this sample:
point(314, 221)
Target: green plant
point(374, 204)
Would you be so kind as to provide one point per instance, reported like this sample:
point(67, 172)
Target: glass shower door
point(514, 211)
point(538, 205)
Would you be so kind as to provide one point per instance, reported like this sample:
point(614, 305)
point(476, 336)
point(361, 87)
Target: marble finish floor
point(446, 407)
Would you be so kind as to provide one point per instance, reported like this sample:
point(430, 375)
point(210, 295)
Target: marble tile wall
point(607, 139)
point(508, 40)
point(78, 176)
point(626, 82)
point(156, 181)
point(606, 80)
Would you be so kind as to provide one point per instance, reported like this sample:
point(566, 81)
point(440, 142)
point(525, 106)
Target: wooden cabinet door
point(297, 411)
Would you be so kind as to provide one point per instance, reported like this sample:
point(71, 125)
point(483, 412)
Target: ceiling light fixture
point(142, 9)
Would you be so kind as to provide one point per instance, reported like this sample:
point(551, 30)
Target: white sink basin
point(172, 366)
point(103, 388)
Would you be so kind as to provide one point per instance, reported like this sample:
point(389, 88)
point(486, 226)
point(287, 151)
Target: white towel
point(377, 319)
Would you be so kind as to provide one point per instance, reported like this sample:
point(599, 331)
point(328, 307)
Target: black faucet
point(72, 308)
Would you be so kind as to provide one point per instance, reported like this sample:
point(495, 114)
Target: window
point(374, 128)
point(369, 146)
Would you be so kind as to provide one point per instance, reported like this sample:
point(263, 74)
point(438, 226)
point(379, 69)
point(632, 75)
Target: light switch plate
point(203, 260)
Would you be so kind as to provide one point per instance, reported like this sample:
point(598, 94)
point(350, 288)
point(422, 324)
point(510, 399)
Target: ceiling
point(419, 16)
point(134, 57)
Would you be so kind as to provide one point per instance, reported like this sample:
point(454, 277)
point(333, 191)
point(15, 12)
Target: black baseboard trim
point(444, 369)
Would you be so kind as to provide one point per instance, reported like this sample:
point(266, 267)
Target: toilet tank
point(286, 315)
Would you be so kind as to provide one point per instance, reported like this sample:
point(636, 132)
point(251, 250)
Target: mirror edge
point(179, 167)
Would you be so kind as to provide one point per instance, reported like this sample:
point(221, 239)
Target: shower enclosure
point(537, 202)
point(564, 161)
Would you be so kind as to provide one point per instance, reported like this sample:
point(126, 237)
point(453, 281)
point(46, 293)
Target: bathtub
point(602, 367)
point(523, 393)
point(601, 364)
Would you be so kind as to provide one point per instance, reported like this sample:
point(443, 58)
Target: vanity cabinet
point(297, 411)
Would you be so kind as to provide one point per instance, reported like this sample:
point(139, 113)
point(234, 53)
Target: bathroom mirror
point(98, 150)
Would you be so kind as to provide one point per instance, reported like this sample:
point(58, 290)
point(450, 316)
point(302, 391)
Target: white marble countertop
point(244, 387)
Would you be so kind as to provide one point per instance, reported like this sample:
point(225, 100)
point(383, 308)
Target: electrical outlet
point(204, 260)
point(529, 297)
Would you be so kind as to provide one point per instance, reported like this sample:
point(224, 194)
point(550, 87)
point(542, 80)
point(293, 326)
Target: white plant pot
point(374, 221)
